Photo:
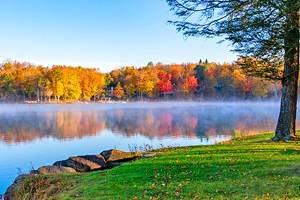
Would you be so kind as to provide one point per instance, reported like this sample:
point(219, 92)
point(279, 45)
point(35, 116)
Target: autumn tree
point(151, 81)
point(144, 85)
point(266, 30)
point(71, 85)
point(177, 73)
point(24, 81)
point(47, 91)
point(98, 85)
point(57, 87)
point(189, 85)
point(165, 85)
point(118, 91)
point(239, 79)
point(131, 81)
point(91, 83)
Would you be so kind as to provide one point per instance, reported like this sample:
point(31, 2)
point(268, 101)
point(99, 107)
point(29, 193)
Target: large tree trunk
point(286, 125)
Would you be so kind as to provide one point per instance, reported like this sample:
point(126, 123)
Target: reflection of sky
point(36, 135)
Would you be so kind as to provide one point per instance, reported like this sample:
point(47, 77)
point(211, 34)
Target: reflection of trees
point(150, 123)
point(191, 122)
point(63, 125)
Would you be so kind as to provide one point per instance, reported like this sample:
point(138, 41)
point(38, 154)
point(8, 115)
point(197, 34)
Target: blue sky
point(98, 33)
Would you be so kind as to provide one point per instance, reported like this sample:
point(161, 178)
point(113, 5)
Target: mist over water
point(36, 135)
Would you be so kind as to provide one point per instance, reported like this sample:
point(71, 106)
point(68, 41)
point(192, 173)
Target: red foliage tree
point(190, 85)
point(165, 84)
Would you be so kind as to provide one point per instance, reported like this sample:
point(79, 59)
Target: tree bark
point(286, 124)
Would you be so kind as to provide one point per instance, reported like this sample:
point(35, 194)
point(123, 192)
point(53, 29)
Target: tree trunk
point(286, 124)
point(37, 95)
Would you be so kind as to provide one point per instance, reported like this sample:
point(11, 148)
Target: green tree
point(6, 85)
point(266, 30)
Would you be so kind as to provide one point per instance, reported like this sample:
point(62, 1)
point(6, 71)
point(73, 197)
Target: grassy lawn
point(249, 168)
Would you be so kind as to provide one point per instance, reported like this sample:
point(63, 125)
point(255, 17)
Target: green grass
point(249, 168)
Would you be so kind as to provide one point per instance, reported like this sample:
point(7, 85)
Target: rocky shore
point(78, 164)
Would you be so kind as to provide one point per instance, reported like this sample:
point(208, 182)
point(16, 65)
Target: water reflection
point(22, 127)
point(36, 135)
point(196, 121)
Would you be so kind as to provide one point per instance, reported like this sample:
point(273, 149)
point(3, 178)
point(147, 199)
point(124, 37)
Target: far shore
point(113, 101)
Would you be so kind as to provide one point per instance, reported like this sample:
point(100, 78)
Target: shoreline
point(145, 101)
point(152, 103)
point(235, 169)
point(106, 160)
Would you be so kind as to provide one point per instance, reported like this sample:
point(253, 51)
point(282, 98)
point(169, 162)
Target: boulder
point(83, 163)
point(148, 155)
point(114, 155)
point(55, 169)
point(73, 164)
point(95, 162)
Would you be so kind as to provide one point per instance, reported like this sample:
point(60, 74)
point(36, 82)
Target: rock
point(120, 156)
point(116, 158)
point(55, 169)
point(148, 155)
point(95, 162)
point(70, 163)
point(83, 163)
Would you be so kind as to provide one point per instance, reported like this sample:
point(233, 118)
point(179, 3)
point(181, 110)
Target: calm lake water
point(36, 135)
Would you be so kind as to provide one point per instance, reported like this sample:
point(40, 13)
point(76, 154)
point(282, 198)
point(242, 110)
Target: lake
point(36, 135)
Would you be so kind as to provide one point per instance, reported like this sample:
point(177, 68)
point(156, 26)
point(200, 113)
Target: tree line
point(20, 81)
point(24, 81)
